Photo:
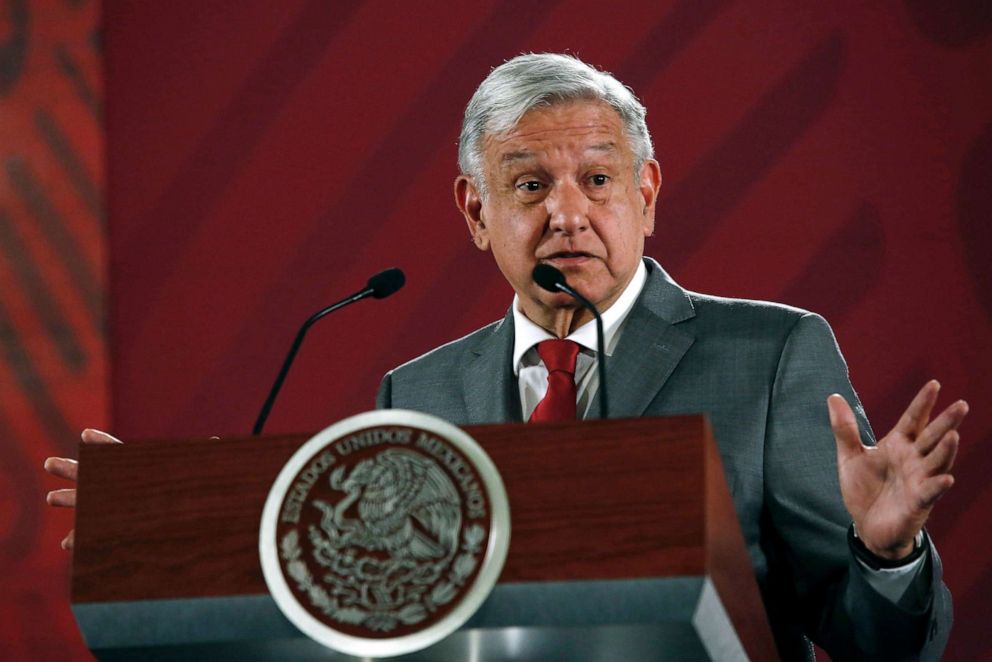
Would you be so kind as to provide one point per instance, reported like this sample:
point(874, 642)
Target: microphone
point(384, 283)
point(553, 280)
point(379, 286)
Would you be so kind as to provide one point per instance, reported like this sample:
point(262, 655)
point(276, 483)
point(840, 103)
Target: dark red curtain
point(263, 159)
point(53, 369)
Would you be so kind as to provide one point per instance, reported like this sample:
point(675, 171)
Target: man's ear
point(650, 185)
point(469, 203)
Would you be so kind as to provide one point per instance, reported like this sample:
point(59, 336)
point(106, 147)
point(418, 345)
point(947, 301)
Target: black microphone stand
point(552, 279)
point(379, 286)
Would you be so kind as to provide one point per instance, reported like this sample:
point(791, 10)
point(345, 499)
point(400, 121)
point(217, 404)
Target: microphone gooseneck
point(379, 286)
point(553, 280)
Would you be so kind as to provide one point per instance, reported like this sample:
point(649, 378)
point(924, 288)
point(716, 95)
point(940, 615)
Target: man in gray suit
point(557, 169)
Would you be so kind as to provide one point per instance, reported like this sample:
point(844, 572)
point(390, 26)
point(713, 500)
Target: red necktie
point(559, 402)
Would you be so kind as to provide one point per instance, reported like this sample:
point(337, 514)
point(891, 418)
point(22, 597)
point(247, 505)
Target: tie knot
point(559, 355)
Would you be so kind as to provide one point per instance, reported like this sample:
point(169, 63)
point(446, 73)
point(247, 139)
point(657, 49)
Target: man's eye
point(530, 187)
point(599, 180)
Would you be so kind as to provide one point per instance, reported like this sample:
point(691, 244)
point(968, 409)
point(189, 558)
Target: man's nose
point(568, 208)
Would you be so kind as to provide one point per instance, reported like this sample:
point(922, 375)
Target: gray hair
point(541, 80)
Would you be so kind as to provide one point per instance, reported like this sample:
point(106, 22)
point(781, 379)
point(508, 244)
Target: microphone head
point(548, 277)
point(387, 282)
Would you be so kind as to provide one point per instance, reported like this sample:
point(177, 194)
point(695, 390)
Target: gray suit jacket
point(762, 373)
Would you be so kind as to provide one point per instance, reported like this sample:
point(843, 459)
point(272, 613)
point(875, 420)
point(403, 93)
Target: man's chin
point(591, 286)
point(558, 301)
point(585, 276)
point(563, 301)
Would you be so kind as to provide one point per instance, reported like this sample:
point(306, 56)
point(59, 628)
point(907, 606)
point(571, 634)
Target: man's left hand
point(889, 489)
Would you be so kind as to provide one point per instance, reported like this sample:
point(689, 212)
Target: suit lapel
point(650, 347)
point(490, 389)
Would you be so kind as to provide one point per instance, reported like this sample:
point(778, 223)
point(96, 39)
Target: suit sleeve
point(384, 397)
point(806, 522)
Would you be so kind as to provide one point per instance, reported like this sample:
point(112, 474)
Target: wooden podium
point(624, 545)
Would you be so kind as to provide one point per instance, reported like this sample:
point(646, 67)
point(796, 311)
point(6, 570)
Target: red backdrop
point(52, 278)
point(263, 159)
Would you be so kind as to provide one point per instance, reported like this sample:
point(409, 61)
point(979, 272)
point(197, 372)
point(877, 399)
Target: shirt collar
point(526, 334)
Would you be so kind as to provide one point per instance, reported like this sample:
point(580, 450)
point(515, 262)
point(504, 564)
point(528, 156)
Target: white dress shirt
point(532, 379)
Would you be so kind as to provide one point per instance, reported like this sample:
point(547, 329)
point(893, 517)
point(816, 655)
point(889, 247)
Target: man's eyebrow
point(510, 157)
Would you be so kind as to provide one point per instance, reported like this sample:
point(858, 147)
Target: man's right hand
point(69, 469)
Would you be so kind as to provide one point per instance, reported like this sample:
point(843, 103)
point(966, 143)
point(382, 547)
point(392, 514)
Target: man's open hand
point(69, 469)
point(890, 489)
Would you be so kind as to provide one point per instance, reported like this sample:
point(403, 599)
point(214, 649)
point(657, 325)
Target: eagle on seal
point(407, 506)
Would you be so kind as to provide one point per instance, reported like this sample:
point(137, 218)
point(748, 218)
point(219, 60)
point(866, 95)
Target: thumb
point(845, 427)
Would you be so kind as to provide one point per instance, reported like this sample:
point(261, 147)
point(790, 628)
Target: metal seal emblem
point(384, 533)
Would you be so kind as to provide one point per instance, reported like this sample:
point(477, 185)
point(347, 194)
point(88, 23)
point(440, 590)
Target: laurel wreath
point(462, 568)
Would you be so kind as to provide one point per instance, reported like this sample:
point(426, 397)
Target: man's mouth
point(567, 257)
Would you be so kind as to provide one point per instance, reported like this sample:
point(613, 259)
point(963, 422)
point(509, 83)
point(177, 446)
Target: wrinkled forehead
point(580, 127)
point(609, 149)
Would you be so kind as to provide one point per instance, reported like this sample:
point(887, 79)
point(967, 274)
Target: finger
point(62, 498)
point(933, 488)
point(949, 419)
point(941, 459)
point(62, 467)
point(91, 436)
point(845, 427)
point(69, 540)
point(916, 416)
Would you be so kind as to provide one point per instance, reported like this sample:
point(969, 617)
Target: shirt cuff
point(892, 582)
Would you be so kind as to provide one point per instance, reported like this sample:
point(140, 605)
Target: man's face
point(562, 191)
